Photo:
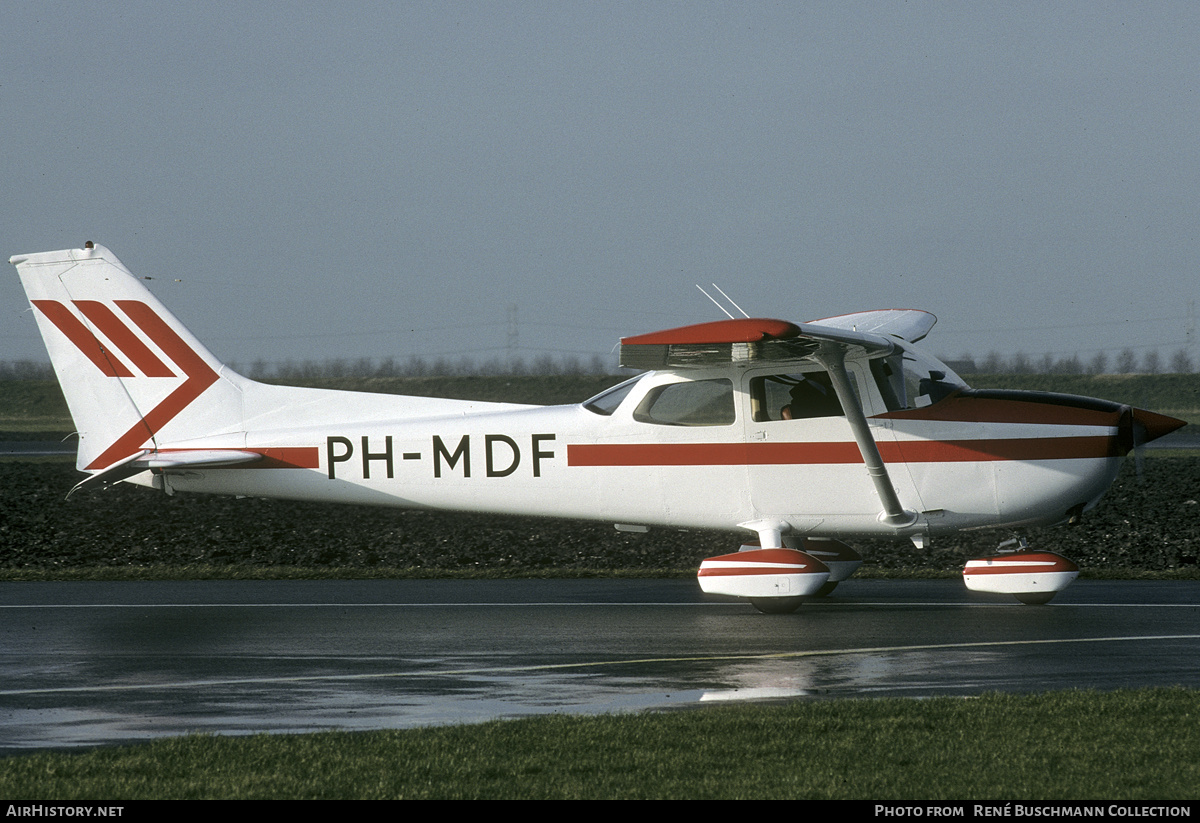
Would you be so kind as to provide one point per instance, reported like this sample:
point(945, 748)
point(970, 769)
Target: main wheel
point(776, 605)
point(827, 589)
point(1035, 598)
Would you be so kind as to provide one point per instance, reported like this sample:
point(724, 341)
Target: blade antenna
point(730, 299)
point(715, 303)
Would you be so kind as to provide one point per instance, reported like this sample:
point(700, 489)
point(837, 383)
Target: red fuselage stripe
point(295, 457)
point(958, 409)
point(784, 454)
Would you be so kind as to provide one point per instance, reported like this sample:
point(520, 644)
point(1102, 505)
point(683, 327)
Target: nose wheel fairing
point(1030, 576)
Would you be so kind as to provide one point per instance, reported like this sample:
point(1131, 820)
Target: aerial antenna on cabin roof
point(718, 305)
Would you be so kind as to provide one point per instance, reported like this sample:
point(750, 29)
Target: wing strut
point(833, 358)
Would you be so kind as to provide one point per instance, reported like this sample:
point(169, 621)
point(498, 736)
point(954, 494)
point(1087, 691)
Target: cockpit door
point(804, 464)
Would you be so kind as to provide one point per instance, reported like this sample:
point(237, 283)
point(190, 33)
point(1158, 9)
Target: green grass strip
point(1125, 745)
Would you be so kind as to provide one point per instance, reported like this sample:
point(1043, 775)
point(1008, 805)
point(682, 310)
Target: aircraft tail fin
point(132, 375)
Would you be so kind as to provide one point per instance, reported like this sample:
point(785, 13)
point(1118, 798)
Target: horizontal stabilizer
point(209, 458)
point(165, 460)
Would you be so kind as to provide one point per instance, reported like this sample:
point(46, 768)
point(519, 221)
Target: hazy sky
point(387, 179)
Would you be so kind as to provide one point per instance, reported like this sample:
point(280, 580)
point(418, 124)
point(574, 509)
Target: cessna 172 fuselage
point(796, 433)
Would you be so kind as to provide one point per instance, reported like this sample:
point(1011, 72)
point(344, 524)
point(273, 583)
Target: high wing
point(755, 339)
point(907, 324)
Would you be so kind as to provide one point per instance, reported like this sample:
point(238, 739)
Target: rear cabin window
point(607, 401)
point(694, 403)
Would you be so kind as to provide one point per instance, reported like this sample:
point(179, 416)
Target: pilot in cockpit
point(812, 396)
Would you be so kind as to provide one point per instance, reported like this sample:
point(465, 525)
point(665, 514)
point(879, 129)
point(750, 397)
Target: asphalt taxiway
point(98, 663)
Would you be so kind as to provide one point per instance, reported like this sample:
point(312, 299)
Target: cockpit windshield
point(908, 379)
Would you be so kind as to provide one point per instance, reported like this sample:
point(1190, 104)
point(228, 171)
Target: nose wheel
point(1035, 598)
point(777, 605)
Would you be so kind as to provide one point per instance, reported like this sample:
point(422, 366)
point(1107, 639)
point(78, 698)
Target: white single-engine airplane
point(798, 434)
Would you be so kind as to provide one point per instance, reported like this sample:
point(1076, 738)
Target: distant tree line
point(25, 370)
point(416, 366)
point(368, 367)
point(1126, 362)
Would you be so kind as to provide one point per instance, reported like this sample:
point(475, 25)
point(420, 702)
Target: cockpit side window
point(692, 403)
point(795, 396)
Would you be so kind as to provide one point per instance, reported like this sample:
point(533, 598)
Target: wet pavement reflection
point(95, 663)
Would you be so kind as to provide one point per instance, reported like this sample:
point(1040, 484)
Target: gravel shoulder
point(1146, 524)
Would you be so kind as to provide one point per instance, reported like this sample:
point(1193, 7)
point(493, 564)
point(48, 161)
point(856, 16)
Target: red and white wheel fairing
point(762, 573)
point(1031, 577)
point(842, 560)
